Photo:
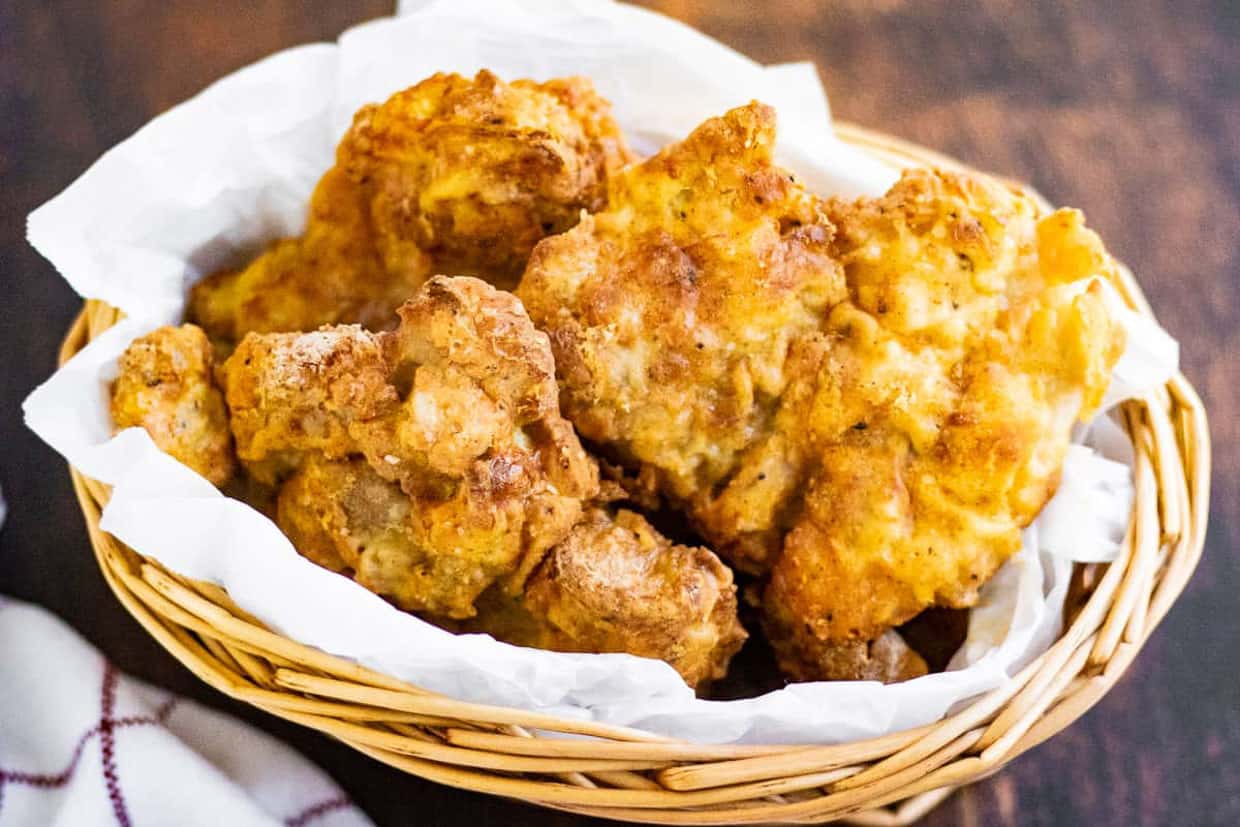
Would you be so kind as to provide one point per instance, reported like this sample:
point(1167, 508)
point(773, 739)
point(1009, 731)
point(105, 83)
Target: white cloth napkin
point(82, 745)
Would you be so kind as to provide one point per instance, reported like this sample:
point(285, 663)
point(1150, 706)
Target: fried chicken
point(887, 658)
point(867, 401)
point(477, 171)
point(336, 511)
point(968, 309)
point(678, 317)
point(293, 394)
point(452, 175)
point(456, 410)
point(614, 584)
point(333, 273)
point(165, 385)
point(432, 465)
point(346, 517)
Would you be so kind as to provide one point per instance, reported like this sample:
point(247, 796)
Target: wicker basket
point(626, 774)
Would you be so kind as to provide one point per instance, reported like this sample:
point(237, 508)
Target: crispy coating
point(336, 511)
point(476, 171)
point(481, 379)
point(865, 400)
point(614, 584)
point(290, 394)
point(333, 273)
point(165, 385)
point(672, 313)
point(432, 465)
point(678, 316)
point(478, 441)
point(968, 351)
point(452, 175)
point(455, 412)
point(887, 659)
point(346, 517)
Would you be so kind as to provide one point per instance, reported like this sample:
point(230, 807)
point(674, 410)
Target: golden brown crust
point(955, 375)
point(165, 385)
point(476, 171)
point(671, 314)
point(332, 274)
point(290, 394)
point(432, 465)
point(317, 509)
point(868, 400)
point(453, 175)
point(478, 441)
point(614, 584)
point(455, 411)
point(887, 659)
point(345, 517)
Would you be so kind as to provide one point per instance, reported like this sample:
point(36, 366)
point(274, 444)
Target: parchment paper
point(208, 183)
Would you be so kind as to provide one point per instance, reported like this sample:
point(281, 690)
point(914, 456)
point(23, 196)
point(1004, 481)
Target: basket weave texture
point(631, 775)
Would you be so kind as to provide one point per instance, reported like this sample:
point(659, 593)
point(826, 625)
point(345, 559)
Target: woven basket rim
point(628, 774)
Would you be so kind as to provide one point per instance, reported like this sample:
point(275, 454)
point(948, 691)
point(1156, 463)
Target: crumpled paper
point(208, 183)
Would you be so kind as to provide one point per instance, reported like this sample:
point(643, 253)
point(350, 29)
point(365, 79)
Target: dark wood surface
point(1130, 111)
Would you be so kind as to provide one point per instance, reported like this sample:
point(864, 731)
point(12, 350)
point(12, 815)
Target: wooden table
point(1131, 112)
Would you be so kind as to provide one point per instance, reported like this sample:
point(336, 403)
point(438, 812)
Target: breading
point(887, 659)
point(453, 175)
point(614, 584)
point(432, 465)
point(345, 517)
point(333, 273)
point(867, 401)
point(476, 171)
point(673, 315)
point(290, 394)
point(956, 372)
point(165, 385)
point(455, 410)
point(336, 511)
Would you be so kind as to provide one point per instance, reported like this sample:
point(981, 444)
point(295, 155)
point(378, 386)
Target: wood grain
point(1130, 112)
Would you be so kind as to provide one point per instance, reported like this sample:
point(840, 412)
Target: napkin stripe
point(55, 781)
point(317, 811)
point(107, 745)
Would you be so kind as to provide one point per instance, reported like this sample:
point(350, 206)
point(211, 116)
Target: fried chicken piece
point(455, 412)
point(334, 511)
point(987, 351)
point(347, 518)
point(291, 394)
point(431, 464)
point(165, 386)
point(675, 317)
point(612, 584)
point(477, 171)
point(617, 585)
point(478, 441)
point(333, 273)
point(481, 382)
point(886, 659)
point(866, 400)
point(452, 175)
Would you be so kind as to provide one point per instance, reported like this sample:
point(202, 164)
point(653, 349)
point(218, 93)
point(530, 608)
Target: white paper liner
point(209, 182)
